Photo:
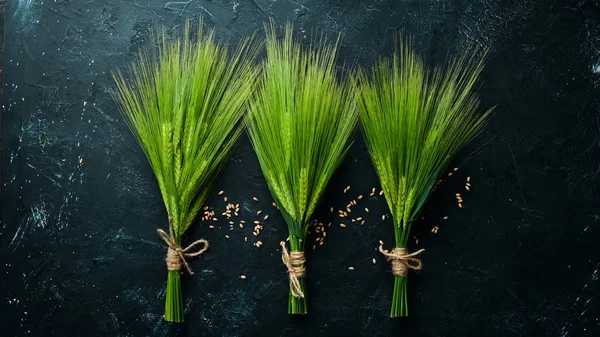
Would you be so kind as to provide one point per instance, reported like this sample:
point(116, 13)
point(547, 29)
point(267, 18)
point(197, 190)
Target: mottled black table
point(80, 206)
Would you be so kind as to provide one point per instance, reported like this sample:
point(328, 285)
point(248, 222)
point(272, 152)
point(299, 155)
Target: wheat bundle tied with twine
point(299, 123)
point(185, 104)
point(414, 121)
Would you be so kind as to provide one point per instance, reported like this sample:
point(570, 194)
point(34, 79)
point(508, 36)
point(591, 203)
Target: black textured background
point(78, 247)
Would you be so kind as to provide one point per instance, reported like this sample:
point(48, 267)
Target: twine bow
point(175, 254)
point(294, 262)
point(402, 261)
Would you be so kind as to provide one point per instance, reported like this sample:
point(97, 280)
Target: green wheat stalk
point(300, 121)
point(414, 121)
point(185, 104)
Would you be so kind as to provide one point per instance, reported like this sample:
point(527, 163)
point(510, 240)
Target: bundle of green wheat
point(299, 122)
point(185, 104)
point(414, 122)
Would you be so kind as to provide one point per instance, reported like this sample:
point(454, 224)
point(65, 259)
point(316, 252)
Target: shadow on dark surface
point(80, 206)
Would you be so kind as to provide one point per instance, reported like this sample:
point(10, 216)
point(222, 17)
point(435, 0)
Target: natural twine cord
point(402, 261)
point(294, 261)
point(175, 254)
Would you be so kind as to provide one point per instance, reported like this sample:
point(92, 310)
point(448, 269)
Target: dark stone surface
point(2, 63)
point(78, 247)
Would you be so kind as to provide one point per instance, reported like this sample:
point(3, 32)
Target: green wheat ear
point(414, 121)
point(185, 103)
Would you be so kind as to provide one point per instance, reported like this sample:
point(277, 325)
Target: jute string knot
point(175, 254)
point(294, 261)
point(402, 261)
